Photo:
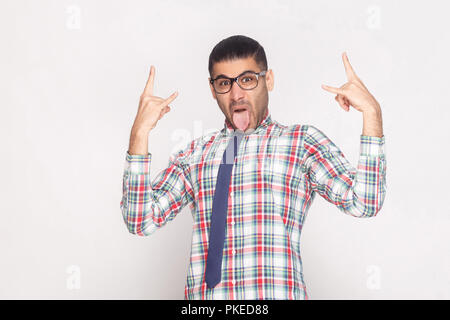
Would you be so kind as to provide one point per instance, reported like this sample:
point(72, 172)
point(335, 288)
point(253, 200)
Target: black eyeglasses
point(247, 80)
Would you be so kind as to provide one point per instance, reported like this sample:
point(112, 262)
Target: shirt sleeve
point(148, 205)
point(358, 192)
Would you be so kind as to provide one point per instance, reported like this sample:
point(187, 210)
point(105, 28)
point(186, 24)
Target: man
point(250, 185)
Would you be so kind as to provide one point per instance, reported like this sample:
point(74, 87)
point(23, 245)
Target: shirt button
point(234, 252)
point(233, 282)
point(232, 223)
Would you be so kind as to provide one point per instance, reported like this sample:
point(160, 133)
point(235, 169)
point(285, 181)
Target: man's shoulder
point(297, 129)
point(190, 148)
point(308, 130)
point(304, 134)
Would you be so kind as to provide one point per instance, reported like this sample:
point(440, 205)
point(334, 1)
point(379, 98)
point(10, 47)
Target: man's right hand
point(151, 110)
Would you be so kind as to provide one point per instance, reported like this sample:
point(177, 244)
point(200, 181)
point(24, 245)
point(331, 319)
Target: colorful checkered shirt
point(277, 172)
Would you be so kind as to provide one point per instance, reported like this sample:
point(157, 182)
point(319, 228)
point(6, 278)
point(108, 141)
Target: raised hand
point(353, 93)
point(151, 108)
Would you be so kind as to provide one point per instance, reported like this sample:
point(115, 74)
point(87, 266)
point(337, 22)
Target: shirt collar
point(265, 122)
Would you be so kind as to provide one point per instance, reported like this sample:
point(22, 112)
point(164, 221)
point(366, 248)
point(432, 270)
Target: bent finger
point(164, 111)
point(340, 100)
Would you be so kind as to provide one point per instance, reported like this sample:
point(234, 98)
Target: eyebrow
point(224, 76)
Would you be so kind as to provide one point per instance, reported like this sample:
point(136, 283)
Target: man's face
point(255, 101)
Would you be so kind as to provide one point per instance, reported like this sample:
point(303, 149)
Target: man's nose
point(236, 92)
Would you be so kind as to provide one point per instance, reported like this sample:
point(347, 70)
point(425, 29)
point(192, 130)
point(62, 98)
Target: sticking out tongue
point(241, 119)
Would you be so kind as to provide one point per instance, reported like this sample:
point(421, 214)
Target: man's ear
point(212, 88)
point(269, 79)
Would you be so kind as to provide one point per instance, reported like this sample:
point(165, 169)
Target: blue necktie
point(219, 212)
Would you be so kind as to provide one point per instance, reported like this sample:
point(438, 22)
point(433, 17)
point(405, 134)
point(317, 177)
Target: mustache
point(239, 103)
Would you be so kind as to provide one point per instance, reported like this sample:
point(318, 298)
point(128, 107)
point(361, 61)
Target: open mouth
point(241, 117)
point(240, 108)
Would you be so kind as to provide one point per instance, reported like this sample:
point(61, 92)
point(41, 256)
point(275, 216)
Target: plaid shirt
point(276, 175)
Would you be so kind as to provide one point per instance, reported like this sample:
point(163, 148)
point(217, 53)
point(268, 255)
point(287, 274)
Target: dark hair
point(237, 47)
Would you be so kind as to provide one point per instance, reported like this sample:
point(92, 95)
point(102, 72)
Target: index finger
point(348, 68)
point(169, 99)
point(148, 90)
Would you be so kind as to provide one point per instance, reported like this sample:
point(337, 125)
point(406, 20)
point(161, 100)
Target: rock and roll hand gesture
point(354, 93)
point(151, 110)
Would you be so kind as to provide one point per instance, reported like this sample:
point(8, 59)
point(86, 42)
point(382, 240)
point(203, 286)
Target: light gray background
point(71, 76)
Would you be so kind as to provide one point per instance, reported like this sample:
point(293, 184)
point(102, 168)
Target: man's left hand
point(353, 93)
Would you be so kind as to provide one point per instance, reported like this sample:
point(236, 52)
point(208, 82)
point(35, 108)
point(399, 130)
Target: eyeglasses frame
point(235, 79)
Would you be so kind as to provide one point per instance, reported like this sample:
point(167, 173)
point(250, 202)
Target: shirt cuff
point(372, 146)
point(138, 163)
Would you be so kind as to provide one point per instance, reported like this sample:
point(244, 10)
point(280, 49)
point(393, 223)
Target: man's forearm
point(138, 143)
point(373, 123)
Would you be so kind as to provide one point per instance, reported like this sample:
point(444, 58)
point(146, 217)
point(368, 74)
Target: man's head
point(230, 58)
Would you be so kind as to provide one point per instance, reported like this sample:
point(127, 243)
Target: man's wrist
point(372, 122)
point(138, 142)
point(139, 132)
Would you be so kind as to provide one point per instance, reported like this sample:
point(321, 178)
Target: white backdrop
point(71, 76)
